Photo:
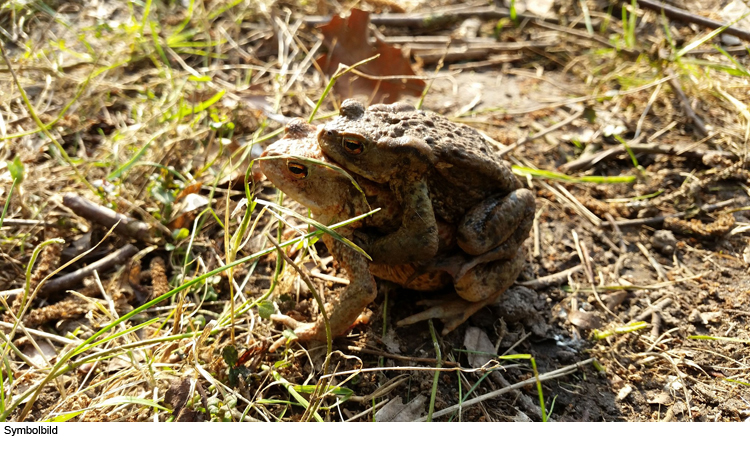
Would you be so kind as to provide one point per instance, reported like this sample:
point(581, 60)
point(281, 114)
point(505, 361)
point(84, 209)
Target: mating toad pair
point(452, 212)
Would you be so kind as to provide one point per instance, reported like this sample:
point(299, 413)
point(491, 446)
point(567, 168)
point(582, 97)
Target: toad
point(435, 169)
point(296, 166)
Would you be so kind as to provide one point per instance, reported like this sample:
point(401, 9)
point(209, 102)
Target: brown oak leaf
point(348, 43)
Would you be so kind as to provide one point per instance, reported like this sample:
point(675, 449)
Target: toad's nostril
point(329, 133)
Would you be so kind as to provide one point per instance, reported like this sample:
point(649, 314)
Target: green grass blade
point(117, 335)
point(134, 159)
point(128, 400)
point(523, 171)
point(698, 42)
point(740, 68)
point(319, 225)
point(719, 338)
point(64, 417)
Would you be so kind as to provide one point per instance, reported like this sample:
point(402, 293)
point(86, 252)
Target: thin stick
point(660, 272)
point(400, 357)
point(555, 278)
point(67, 281)
point(26, 222)
point(588, 161)
point(547, 376)
point(438, 16)
point(689, 112)
point(684, 16)
point(590, 37)
point(42, 334)
point(104, 216)
point(583, 254)
point(659, 306)
point(659, 219)
point(523, 141)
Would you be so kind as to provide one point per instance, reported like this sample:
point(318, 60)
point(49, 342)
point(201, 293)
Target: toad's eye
point(353, 146)
point(298, 170)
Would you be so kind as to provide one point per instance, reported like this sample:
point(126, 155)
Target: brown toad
point(297, 167)
point(435, 168)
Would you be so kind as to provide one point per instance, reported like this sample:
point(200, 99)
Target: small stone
point(728, 39)
point(615, 299)
point(660, 398)
point(664, 241)
point(469, 28)
point(624, 392)
point(648, 212)
point(583, 320)
point(695, 316)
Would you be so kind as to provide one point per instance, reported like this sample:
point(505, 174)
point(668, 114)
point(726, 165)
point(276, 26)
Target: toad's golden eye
point(298, 170)
point(353, 146)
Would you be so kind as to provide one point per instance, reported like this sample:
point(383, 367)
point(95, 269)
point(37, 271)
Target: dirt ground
point(633, 303)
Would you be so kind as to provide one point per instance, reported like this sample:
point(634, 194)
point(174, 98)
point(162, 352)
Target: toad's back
point(463, 169)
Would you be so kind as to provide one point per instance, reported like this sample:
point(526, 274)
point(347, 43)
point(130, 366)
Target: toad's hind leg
point(481, 286)
point(496, 220)
point(460, 264)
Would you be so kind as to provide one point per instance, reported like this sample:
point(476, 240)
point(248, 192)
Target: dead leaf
point(390, 340)
point(396, 411)
point(348, 43)
point(186, 206)
point(177, 396)
point(479, 346)
point(540, 8)
point(48, 352)
point(190, 189)
point(583, 320)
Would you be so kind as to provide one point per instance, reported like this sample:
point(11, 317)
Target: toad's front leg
point(417, 238)
point(342, 313)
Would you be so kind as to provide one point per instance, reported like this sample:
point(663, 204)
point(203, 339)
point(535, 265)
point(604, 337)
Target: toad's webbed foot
point(342, 312)
point(481, 286)
point(303, 331)
point(452, 312)
point(315, 331)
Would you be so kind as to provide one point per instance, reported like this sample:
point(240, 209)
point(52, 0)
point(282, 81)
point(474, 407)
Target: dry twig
point(590, 160)
point(685, 102)
point(659, 219)
point(67, 281)
point(108, 218)
point(549, 280)
point(547, 376)
point(685, 16)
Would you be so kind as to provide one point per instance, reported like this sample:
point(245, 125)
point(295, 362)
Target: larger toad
point(297, 167)
point(435, 168)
